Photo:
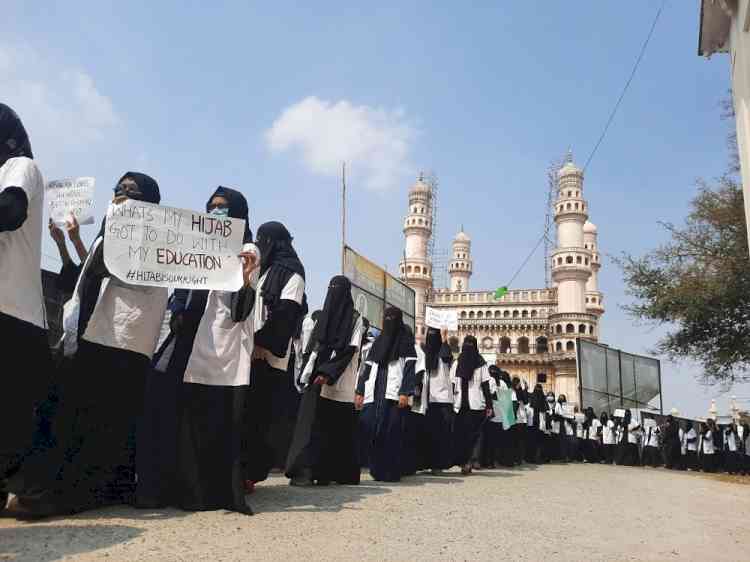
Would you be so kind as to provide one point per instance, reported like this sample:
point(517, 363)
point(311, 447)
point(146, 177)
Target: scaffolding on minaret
point(438, 257)
point(549, 216)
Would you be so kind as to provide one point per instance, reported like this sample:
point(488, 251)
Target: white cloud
point(61, 107)
point(374, 142)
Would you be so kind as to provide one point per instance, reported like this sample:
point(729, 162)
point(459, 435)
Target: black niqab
point(238, 208)
point(14, 141)
point(431, 347)
point(470, 359)
point(333, 330)
point(278, 261)
point(275, 245)
point(395, 341)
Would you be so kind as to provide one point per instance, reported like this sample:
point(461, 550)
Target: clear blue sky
point(485, 96)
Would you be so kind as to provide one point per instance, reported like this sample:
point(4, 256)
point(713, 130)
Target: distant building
point(725, 28)
point(530, 333)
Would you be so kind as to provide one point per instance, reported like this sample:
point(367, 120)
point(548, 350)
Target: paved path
point(554, 513)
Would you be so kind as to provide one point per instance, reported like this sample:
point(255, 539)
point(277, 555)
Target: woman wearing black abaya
point(279, 311)
point(324, 445)
point(472, 401)
point(538, 426)
point(383, 391)
point(195, 398)
point(440, 415)
point(215, 357)
point(627, 446)
point(23, 330)
point(111, 331)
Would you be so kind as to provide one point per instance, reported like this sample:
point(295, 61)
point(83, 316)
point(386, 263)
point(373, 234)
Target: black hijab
point(333, 330)
point(149, 191)
point(505, 377)
point(470, 359)
point(277, 259)
point(14, 142)
point(495, 373)
point(431, 347)
point(395, 341)
point(275, 245)
point(538, 398)
point(238, 208)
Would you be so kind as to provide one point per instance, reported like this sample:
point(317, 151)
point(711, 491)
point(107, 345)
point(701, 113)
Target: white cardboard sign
point(146, 244)
point(619, 413)
point(568, 410)
point(441, 319)
point(71, 196)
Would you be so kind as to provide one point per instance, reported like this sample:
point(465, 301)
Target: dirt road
point(557, 512)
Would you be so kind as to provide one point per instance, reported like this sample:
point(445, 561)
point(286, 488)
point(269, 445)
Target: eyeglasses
point(128, 189)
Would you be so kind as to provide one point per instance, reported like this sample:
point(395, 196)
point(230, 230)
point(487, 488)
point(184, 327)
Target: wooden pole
point(343, 215)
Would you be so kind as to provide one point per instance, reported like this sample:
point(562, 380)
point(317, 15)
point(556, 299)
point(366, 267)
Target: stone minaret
point(571, 262)
point(594, 297)
point(416, 268)
point(460, 267)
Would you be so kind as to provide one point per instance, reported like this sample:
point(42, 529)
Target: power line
point(606, 126)
point(527, 259)
point(627, 84)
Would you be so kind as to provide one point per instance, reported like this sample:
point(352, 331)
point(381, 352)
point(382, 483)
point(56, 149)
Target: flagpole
point(343, 215)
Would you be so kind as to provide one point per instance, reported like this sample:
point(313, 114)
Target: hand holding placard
point(441, 319)
point(152, 245)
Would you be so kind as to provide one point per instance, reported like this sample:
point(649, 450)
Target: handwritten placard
point(71, 196)
point(580, 418)
point(441, 319)
point(151, 245)
point(568, 410)
point(619, 413)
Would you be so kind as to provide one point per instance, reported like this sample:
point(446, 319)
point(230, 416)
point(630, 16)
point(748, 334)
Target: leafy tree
point(698, 283)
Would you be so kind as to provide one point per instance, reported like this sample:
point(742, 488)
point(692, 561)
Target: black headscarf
point(277, 259)
point(505, 377)
point(495, 373)
point(275, 245)
point(538, 398)
point(470, 359)
point(148, 186)
point(432, 343)
point(395, 341)
point(237, 208)
point(14, 142)
point(149, 191)
point(333, 330)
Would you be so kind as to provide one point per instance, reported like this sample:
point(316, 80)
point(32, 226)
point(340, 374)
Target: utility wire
point(607, 125)
point(627, 84)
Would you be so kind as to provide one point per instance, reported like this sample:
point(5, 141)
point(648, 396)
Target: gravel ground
point(554, 512)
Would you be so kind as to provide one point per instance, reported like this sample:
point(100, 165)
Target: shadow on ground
point(46, 543)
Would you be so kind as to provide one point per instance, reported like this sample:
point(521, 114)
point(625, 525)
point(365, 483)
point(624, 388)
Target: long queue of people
point(244, 381)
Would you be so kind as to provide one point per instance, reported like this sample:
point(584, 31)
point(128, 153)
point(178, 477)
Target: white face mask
point(220, 211)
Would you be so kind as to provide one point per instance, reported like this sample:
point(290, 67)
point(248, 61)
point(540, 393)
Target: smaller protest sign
point(146, 244)
point(441, 319)
point(580, 418)
point(568, 410)
point(71, 196)
point(619, 413)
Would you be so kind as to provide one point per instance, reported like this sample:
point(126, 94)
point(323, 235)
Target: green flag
point(500, 293)
point(503, 407)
